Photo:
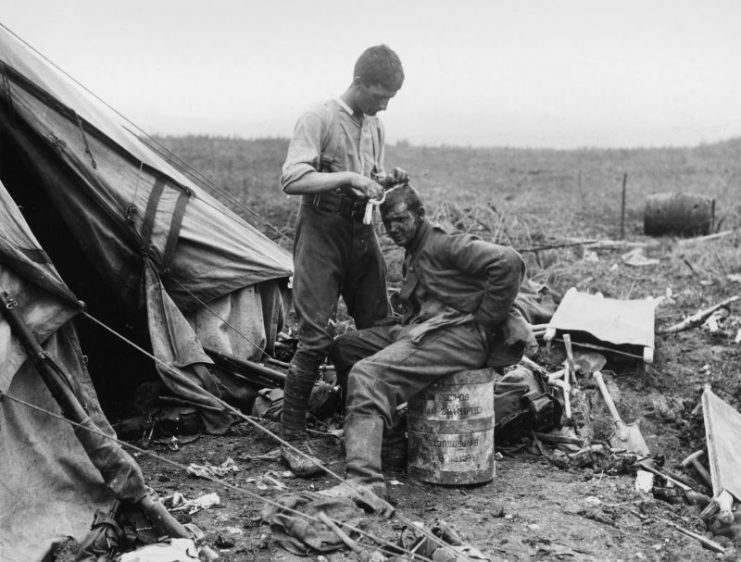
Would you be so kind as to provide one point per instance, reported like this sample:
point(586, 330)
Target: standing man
point(457, 300)
point(335, 163)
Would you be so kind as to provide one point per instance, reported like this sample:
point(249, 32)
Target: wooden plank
point(615, 323)
point(723, 435)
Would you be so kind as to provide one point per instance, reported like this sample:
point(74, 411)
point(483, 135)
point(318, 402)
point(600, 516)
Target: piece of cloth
point(334, 252)
point(537, 302)
point(306, 535)
point(300, 461)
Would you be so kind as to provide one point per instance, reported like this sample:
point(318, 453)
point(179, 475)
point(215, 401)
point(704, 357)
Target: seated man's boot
point(364, 485)
point(293, 424)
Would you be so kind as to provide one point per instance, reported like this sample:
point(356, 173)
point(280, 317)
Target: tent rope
point(194, 386)
point(131, 209)
point(89, 152)
point(252, 421)
point(384, 544)
point(204, 180)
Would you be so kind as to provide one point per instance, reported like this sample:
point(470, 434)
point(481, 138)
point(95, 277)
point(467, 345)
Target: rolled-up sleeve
point(305, 148)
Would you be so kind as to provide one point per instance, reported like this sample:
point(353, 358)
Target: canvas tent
point(146, 248)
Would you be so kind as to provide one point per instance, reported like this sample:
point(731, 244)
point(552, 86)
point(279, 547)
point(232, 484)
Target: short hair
point(403, 193)
point(380, 65)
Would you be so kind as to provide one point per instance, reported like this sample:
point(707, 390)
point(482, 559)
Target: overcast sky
point(522, 73)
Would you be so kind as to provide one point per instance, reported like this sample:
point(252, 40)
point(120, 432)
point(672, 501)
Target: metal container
point(680, 214)
point(451, 430)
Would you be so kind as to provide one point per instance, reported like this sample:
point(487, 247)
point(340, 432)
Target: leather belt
point(351, 209)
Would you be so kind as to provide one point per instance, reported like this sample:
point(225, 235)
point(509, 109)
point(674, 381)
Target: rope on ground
point(229, 408)
point(386, 546)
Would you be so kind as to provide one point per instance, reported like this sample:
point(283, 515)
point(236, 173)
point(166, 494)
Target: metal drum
point(681, 214)
point(451, 430)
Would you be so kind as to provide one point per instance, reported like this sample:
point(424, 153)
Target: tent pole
point(133, 489)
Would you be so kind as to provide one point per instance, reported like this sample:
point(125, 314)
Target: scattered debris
point(707, 543)
point(178, 502)
point(307, 535)
point(273, 455)
point(270, 480)
point(714, 321)
point(635, 258)
point(414, 541)
point(644, 481)
point(696, 319)
point(707, 238)
point(174, 550)
point(210, 471)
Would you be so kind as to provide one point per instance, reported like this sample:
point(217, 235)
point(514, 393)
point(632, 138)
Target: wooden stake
point(707, 543)
point(340, 533)
point(622, 207)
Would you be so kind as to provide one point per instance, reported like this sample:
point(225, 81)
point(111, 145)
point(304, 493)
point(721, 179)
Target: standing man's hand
point(365, 188)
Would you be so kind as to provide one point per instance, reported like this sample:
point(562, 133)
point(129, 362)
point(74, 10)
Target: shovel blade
point(628, 436)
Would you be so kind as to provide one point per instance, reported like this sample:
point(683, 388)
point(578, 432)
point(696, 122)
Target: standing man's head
point(402, 213)
point(377, 77)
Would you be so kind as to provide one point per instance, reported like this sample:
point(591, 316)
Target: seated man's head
point(377, 77)
point(402, 212)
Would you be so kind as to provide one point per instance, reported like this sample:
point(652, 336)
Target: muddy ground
point(533, 509)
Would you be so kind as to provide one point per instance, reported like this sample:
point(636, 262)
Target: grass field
point(526, 198)
point(550, 192)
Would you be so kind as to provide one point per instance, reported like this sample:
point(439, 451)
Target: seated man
point(457, 296)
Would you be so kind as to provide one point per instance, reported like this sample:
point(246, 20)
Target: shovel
point(587, 362)
point(625, 436)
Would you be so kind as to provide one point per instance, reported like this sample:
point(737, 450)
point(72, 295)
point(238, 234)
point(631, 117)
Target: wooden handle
point(569, 357)
point(608, 399)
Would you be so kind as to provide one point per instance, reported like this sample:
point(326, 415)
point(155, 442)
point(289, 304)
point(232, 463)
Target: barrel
point(451, 430)
point(681, 214)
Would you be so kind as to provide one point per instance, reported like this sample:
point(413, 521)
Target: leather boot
point(363, 441)
point(299, 383)
point(365, 485)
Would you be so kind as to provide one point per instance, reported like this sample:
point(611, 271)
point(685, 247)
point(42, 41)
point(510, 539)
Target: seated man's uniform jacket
point(449, 276)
